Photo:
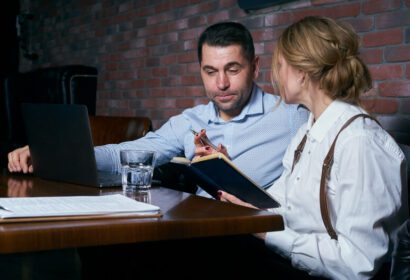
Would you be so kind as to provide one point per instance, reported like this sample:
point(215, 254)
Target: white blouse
point(366, 191)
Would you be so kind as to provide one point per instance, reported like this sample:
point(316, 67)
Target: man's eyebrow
point(226, 66)
point(208, 67)
point(231, 64)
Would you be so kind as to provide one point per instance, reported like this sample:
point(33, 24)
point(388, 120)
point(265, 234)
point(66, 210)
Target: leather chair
point(399, 128)
point(112, 130)
point(71, 84)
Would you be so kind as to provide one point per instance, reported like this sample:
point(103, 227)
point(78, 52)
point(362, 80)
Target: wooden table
point(185, 216)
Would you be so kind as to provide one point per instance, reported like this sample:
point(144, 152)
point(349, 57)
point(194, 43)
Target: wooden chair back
point(113, 129)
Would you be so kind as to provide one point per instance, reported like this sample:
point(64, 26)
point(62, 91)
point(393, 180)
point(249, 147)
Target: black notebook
point(61, 146)
point(216, 172)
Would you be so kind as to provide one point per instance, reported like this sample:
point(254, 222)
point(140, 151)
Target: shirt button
point(289, 207)
point(297, 178)
point(308, 152)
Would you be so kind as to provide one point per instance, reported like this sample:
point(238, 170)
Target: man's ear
point(255, 67)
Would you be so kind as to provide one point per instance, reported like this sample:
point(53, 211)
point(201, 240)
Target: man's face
point(228, 78)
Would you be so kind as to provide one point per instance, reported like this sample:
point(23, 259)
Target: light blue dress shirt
point(256, 139)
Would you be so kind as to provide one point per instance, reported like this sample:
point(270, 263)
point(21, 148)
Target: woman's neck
point(317, 101)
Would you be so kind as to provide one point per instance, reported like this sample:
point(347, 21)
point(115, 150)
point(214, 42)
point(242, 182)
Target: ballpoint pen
point(5, 209)
point(205, 140)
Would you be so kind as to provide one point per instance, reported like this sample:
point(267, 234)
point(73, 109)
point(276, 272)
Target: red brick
point(145, 11)
point(323, 2)
point(408, 70)
point(395, 88)
point(405, 106)
point(187, 57)
point(179, 3)
point(162, 7)
point(190, 45)
point(156, 92)
point(184, 103)
point(202, 8)
point(276, 19)
point(179, 24)
point(259, 48)
point(191, 33)
point(151, 83)
point(227, 3)
point(138, 84)
point(197, 91)
point(266, 34)
point(407, 3)
point(149, 103)
point(168, 113)
point(178, 70)
point(124, 84)
point(176, 47)
point(160, 71)
point(395, 54)
point(360, 24)
point(171, 81)
point(380, 106)
point(197, 21)
point(393, 19)
point(193, 67)
point(190, 80)
point(152, 61)
point(377, 6)
point(383, 38)
point(218, 16)
point(175, 91)
point(169, 37)
point(158, 18)
point(339, 11)
point(168, 59)
point(265, 61)
point(371, 56)
point(384, 72)
point(237, 13)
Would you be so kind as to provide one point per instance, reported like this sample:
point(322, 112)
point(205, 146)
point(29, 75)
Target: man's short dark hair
point(225, 34)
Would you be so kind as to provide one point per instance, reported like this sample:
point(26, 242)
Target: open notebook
point(61, 146)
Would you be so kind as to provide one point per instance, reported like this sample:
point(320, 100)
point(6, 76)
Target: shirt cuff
point(281, 242)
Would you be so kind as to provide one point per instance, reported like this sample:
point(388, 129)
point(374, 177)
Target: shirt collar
point(327, 119)
point(253, 107)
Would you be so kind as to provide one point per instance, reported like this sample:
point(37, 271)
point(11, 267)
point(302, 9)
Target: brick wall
point(145, 50)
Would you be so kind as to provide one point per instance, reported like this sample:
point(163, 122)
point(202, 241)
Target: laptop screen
point(60, 142)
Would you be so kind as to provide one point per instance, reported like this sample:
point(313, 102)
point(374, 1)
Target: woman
point(316, 64)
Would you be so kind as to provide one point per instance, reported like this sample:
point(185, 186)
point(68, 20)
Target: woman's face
point(290, 81)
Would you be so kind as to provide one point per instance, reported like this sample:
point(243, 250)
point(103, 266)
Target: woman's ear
point(302, 77)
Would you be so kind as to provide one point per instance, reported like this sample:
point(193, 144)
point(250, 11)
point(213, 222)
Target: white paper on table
point(21, 207)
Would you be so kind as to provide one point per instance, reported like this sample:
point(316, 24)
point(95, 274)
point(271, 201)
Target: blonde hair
point(327, 51)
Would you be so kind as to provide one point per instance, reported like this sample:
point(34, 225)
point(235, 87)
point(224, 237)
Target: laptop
point(61, 146)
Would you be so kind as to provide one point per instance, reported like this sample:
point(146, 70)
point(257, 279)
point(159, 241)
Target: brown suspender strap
point(298, 152)
point(327, 166)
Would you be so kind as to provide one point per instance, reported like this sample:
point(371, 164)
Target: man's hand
point(20, 160)
point(201, 149)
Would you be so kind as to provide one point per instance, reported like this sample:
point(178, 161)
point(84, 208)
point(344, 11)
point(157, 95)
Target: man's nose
point(223, 82)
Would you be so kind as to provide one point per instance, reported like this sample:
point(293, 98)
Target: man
point(253, 126)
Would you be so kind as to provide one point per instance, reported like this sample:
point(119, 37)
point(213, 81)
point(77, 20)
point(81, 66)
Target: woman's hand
point(201, 149)
point(226, 197)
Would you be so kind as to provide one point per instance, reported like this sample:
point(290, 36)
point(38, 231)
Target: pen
point(5, 209)
point(205, 141)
